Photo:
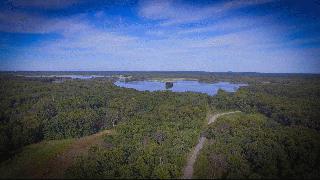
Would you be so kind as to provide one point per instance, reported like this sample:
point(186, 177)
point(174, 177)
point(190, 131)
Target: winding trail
point(188, 171)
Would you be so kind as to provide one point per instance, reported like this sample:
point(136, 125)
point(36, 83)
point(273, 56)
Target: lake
point(181, 86)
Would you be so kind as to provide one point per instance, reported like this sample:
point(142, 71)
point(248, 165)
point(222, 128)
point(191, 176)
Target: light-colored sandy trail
point(188, 171)
point(214, 117)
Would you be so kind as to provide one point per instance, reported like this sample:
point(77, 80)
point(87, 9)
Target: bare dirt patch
point(57, 166)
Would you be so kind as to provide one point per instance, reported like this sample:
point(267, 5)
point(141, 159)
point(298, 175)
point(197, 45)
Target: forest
point(253, 146)
point(275, 136)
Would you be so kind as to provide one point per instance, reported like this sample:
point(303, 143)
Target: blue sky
point(217, 36)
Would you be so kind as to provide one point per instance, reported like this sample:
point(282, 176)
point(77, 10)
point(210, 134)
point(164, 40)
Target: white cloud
point(173, 13)
point(44, 4)
point(20, 22)
point(244, 40)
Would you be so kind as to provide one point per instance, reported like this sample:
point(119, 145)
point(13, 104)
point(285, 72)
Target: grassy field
point(32, 160)
point(48, 159)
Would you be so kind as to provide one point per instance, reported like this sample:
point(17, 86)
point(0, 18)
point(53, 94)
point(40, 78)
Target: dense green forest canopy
point(289, 102)
point(253, 146)
point(155, 131)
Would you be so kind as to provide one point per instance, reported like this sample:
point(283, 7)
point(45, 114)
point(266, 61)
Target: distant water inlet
point(181, 86)
point(67, 76)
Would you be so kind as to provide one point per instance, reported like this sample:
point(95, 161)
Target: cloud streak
point(159, 35)
point(173, 13)
point(44, 4)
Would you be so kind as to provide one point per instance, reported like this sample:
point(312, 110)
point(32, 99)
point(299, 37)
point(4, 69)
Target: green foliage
point(288, 101)
point(153, 144)
point(35, 109)
point(75, 123)
point(33, 159)
point(154, 131)
point(252, 146)
point(169, 85)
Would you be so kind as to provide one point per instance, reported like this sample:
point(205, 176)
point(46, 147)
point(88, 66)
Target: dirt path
point(214, 117)
point(188, 171)
point(56, 167)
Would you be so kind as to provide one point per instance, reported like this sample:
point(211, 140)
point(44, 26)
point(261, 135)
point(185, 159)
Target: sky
point(160, 35)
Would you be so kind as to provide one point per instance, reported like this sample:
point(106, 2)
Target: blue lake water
point(181, 86)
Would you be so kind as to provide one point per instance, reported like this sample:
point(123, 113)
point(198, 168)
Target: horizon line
point(159, 71)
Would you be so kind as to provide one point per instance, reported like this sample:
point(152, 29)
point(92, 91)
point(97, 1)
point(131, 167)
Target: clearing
point(49, 159)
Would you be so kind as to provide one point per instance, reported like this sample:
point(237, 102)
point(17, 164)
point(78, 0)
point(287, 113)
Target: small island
point(169, 85)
